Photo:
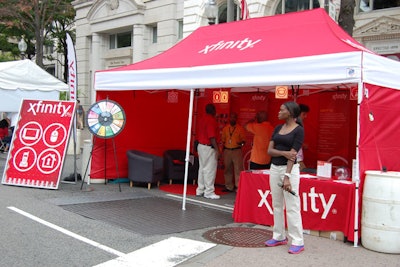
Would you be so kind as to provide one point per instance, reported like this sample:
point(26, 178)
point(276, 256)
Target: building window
point(48, 50)
point(287, 6)
point(368, 5)
point(51, 69)
point(180, 29)
point(120, 40)
point(223, 13)
point(154, 32)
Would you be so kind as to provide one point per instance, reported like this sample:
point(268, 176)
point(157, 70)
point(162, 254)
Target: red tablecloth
point(326, 205)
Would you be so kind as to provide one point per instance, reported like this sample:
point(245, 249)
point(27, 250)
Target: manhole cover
point(239, 236)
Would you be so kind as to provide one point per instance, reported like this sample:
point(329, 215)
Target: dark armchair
point(144, 168)
point(174, 166)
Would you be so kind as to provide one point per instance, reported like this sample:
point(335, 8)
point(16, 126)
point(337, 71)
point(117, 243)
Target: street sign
point(39, 143)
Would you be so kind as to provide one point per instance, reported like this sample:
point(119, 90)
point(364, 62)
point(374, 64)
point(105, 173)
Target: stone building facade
point(112, 33)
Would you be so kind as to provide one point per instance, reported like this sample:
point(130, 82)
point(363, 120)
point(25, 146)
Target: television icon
point(30, 134)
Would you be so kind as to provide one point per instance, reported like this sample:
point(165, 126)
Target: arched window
point(223, 12)
point(369, 5)
point(287, 6)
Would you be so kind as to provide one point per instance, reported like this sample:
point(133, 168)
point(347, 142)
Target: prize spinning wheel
point(106, 119)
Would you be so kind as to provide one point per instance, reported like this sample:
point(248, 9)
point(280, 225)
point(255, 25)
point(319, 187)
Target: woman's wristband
point(288, 175)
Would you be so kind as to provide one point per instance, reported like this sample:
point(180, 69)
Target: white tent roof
point(381, 71)
point(24, 79)
point(321, 71)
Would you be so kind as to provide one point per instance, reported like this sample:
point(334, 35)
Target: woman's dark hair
point(299, 121)
point(293, 108)
point(304, 108)
point(4, 123)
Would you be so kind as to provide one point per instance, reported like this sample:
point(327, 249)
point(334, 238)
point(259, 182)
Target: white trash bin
point(380, 223)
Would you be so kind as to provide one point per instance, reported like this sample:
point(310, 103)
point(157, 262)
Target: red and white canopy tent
point(305, 48)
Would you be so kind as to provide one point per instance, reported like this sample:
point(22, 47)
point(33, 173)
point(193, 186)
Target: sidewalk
point(319, 251)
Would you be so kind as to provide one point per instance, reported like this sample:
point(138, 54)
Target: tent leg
point(73, 130)
point(356, 216)
point(116, 162)
point(189, 130)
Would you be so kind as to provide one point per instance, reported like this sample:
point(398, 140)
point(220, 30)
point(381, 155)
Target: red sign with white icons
point(39, 144)
point(220, 96)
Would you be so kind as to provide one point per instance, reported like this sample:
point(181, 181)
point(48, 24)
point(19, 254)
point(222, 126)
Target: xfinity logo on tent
point(258, 98)
point(239, 44)
point(310, 198)
point(339, 97)
point(59, 108)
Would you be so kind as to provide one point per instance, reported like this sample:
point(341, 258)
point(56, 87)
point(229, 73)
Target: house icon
point(49, 161)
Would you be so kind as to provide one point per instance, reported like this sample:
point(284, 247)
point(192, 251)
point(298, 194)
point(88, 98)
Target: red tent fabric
point(379, 128)
point(291, 35)
point(262, 51)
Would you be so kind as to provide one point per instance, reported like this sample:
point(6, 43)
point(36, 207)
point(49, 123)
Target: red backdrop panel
point(246, 105)
point(152, 125)
point(222, 116)
point(324, 107)
point(379, 129)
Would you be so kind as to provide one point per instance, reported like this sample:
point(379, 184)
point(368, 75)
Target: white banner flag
point(72, 74)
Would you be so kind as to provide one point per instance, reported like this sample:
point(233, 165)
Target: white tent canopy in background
point(23, 79)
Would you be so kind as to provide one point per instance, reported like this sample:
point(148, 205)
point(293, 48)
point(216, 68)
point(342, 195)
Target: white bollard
point(87, 149)
point(70, 150)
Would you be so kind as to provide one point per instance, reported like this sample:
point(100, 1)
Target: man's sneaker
point(227, 190)
point(199, 194)
point(295, 249)
point(212, 196)
point(274, 243)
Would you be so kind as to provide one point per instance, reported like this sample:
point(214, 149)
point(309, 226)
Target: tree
point(62, 24)
point(9, 51)
point(31, 19)
point(346, 15)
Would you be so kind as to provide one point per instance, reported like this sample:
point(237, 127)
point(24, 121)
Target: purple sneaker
point(274, 243)
point(295, 249)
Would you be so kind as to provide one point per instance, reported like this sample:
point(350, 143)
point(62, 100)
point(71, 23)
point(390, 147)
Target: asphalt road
point(37, 231)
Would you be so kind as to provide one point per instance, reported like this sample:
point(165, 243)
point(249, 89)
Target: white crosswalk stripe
point(167, 253)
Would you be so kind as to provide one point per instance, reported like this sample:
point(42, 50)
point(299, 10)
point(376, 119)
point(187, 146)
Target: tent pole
point(189, 131)
point(74, 136)
point(356, 168)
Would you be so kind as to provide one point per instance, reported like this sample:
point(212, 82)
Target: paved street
point(38, 230)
